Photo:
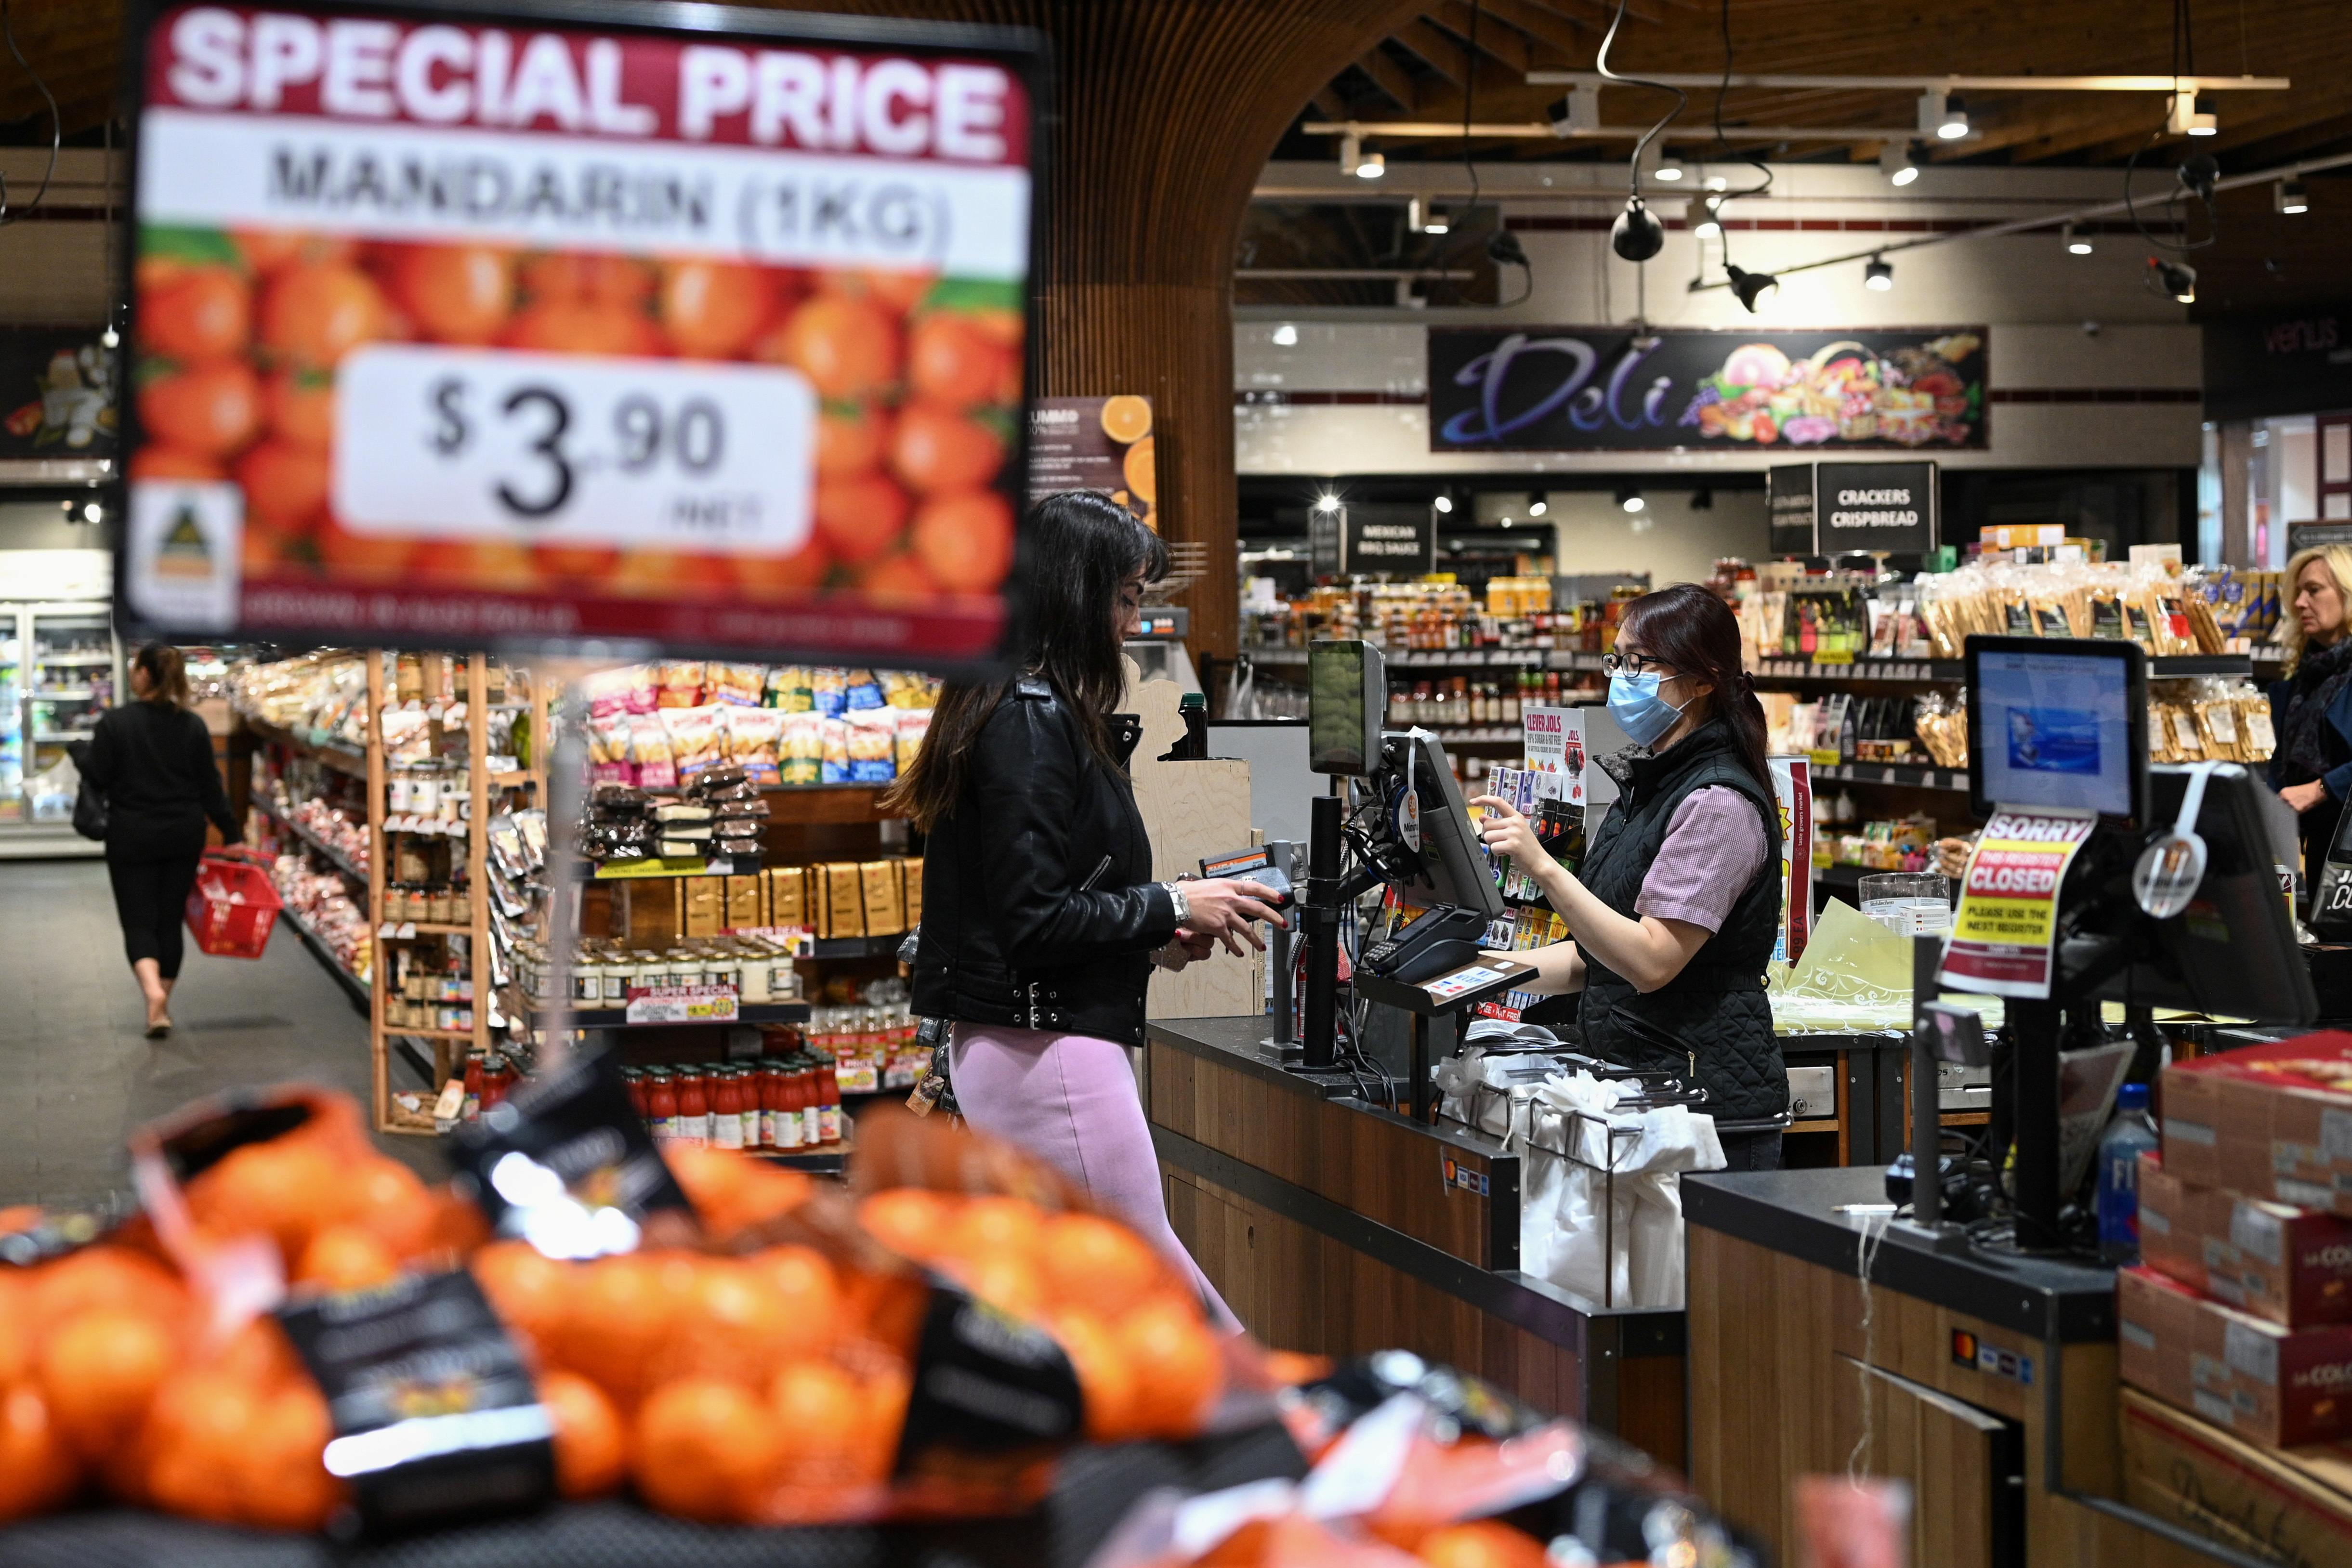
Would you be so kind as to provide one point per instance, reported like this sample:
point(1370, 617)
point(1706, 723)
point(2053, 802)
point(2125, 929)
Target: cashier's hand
point(1223, 907)
point(1509, 833)
point(2304, 797)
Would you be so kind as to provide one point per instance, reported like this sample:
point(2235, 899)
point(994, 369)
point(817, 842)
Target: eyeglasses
point(1634, 665)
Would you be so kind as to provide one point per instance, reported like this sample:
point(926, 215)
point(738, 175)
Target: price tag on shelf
point(683, 1004)
point(623, 451)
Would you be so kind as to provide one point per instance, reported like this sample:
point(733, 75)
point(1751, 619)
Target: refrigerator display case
point(60, 667)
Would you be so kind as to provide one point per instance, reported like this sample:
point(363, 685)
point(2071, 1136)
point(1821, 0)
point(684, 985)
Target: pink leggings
point(1070, 1100)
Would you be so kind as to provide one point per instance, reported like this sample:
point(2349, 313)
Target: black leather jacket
point(1039, 910)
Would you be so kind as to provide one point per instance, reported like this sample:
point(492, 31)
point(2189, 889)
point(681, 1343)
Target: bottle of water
point(2119, 1152)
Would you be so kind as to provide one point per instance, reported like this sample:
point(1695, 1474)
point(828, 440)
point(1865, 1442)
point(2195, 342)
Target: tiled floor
point(77, 1072)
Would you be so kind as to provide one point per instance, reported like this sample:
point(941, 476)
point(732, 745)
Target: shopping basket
point(232, 908)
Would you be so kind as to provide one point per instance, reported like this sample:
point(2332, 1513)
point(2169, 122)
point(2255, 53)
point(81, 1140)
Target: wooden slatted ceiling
point(1401, 77)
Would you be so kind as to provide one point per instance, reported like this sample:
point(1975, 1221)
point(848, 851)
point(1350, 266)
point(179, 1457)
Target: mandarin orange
point(1178, 1367)
point(346, 1258)
point(825, 1416)
point(100, 1369)
point(591, 1449)
point(702, 1446)
point(909, 1218)
point(530, 1292)
point(39, 1468)
point(1481, 1543)
point(1097, 1263)
point(282, 1481)
point(965, 541)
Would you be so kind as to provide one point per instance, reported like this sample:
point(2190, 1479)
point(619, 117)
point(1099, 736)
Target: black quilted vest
point(1715, 1007)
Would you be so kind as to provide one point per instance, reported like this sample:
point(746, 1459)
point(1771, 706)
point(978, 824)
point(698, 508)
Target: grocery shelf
point(857, 946)
point(62, 694)
point(1452, 659)
point(334, 856)
point(618, 1017)
point(832, 1159)
point(398, 1029)
point(403, 930)
point(341, 757)
point(351, 983)
point(642, 870)
point(1895, 773)
point(81, 660)
point(2164, 666)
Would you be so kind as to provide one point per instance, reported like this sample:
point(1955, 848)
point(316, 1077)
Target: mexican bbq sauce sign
point(458, 329)
point(1586, 388)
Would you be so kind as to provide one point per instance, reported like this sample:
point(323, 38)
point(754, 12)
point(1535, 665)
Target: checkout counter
point(1333, 1225)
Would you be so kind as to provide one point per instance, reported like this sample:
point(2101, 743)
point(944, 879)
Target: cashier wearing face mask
point(1679, 903)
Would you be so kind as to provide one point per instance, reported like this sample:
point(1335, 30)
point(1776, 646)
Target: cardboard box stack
point(2240, 1315)
point(847, 898)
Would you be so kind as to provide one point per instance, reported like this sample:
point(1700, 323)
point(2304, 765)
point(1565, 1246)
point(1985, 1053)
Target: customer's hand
point(1223, 908)
point(1196, 947)
point(2304, 797)
point(1509, 833)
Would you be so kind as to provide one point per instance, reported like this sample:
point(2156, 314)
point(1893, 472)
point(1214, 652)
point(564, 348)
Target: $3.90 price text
point(534, 447)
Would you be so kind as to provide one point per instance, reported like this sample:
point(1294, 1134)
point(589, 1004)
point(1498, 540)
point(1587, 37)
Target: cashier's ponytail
point(1079, 547)
point(1687, 628)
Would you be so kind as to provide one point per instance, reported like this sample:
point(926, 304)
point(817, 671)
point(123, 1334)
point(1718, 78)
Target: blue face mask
point(1639, 710)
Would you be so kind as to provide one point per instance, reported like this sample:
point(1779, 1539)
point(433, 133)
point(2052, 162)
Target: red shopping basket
point(232, 908)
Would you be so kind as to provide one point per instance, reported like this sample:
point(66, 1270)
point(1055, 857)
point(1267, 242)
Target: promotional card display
point(1554, 742)
point(484, 328)
point(1095, 444)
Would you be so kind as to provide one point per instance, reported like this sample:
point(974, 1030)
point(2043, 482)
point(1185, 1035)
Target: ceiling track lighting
point(2076, 242)
point(1896, 162)
point(1354, 160)
point(1878, 274)
point(1669, 171)
point(2187, 114)
point(1538, 504)
point(1750, 286)
point(2198, 174)
point(1637, 235)
point(1942, 115)
point(1442, 502)
point(1703, 216)
point(2177, 278)
point(1630, 497)
point(2289, 197)
point(1327, 502)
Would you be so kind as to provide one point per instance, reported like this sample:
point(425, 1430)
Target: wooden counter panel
point(1297, 1289)
point(1380, 1165)
point(1773, 1389)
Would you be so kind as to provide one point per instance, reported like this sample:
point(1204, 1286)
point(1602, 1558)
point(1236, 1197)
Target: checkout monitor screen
point(1346, 697)
point(2056, 728)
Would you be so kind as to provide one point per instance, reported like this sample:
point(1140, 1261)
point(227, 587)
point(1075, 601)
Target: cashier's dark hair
point(1695, 633)
point(1080, 545)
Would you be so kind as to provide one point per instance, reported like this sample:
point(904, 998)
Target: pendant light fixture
point(1878, 274)
point(1750, 286)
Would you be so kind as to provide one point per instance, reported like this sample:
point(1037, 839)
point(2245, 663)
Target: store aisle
point(77, 1072)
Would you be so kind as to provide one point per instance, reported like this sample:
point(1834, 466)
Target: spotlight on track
point(2076, 242)
point(1750, 286)
point(2177, 278)
point(1895, 162)
point(1668, 170)
point(1630, 497)
point(1443, 502)
point(1637, 235)
point(2186, 114)
point(1703, 216)
point(1327, 502)
point(1944, 116)
point(1878, 274)
point(2289, 197)
point(1538, 504)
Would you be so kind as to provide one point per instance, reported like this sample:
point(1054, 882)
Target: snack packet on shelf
point(753, 737)
point(649, 749)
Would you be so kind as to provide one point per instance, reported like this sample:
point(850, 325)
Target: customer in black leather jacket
point(1041, 922)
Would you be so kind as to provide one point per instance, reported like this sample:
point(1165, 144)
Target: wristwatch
point(1183, 906)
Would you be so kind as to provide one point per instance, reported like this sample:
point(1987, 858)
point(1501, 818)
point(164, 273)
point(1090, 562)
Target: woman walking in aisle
point(2310, 709)
point(152, 762)
point(1041, 923)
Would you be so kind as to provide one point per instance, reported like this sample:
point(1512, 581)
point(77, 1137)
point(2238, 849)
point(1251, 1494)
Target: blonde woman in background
point(2310, 709)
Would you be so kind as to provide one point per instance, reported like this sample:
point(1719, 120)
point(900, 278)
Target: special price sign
point(459, 326)
point(2005, 932)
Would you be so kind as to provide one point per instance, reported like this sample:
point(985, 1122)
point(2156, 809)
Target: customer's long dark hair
point(1691, 631)
point(1083, 545)
point(166, 670)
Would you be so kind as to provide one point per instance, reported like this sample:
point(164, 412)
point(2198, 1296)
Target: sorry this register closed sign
point(465, 326)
